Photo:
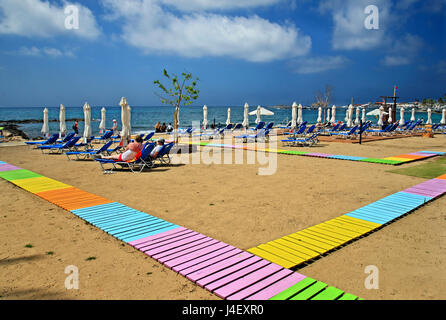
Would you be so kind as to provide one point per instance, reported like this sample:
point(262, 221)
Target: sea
point(144, 118)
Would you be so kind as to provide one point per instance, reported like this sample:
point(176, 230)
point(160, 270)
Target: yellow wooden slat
point(271, 257)
point(349, 226)
point(280, 246)
point(329, 235)
point(299, 248)
point(398, 159)
point(318, 237)
point(360, 221)
point(40, 184)
point(343, 232)
point(281, 253)
point(308, 243)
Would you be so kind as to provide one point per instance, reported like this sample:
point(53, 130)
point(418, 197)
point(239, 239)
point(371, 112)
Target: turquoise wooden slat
point(125, 224)
point(141, 231)
point(377, 212)
point(367, 218)
point(110, 217)
point(151, 233)
point(98, 207)
point(396, 203)
point(406, 198)
point(386, 207)
point(138, 229)
point(415, 196)
point(98, 213)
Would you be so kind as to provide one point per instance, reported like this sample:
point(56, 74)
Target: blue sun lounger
point(262, 135)
point(67, 138)
point(105, 137)
point(137, 165)
point(50, 140)
point(259, 126)
point(304, 142)
point(163, 154)
point(85, 155)
point(60, 148)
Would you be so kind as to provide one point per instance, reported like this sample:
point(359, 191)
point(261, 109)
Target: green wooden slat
point(284, 295)
point(331, 293)
point(309, 292)
point(18, 174)
point(348, 296)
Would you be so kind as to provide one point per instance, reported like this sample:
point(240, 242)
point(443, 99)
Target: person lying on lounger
point(130, 152)
point(157, 149)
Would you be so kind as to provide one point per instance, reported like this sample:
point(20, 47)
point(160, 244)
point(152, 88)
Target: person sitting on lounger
point(157, 149)
point(169, 128)
point(130, 152)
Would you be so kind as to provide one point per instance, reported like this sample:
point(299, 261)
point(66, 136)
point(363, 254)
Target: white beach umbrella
point(102, 124)
point(124, 121)
point(376, 112)
point(346, 114)
point(443, 118)
point(429, 115)
point(390, 120)
point(228, 120)
point(413, 115)
point(381, 113)
point(245, 123)
point(402, 121)
point(319, 115)
point(300, 118)
point(205, 117)
point(87, 121)
point(328, 115)
point(294, 115)
point(357, 121)
point(129, 120)
point(45, 127)
point(363, 115)
point(62, 124)
point(258, 113)
point(350, 116)
point(333, 114)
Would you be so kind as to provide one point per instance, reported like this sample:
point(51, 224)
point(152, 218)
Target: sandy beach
point(231, 203)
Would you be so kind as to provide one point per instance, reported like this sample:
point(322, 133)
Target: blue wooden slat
point(367, 218)
point(124, 223)
point(98, 207)
point(140, 229)
point(145, 233)
point(148, 234)
point(121, 228)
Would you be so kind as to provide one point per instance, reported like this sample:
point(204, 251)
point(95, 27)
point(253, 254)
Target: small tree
point(323, 99)
point(182, 90)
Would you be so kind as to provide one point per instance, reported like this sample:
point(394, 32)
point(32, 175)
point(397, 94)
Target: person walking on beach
point(76, 127)
point(131, 151)
point(115, 127)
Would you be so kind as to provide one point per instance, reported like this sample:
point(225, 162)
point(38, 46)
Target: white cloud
point(37, 18)
point(404, 50)
point(205, 5)
point(318, 64)
point(349, 31)
point(147, 25)
point(40, 52)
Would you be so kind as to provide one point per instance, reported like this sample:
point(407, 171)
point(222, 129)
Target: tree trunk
point(177, 110)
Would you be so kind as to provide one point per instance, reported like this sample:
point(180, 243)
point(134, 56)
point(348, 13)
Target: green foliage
point(180, 89)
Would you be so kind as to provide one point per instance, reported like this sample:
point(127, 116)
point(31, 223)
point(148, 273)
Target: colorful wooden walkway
point(395, 160)
point(308, 244)
point(228, 272)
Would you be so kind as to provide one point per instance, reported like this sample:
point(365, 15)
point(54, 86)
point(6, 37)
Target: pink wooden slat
point(187, 251)
point(277, 287)
point(195, 254)
point(217, 266)
point(165, 240)
point(199, 263)
point(175, 244)
point(248, 281)
point(156, 236)
point(8, 167)
point(233, 275)
point(181, 249)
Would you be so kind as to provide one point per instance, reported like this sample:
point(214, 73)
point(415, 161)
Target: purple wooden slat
point(278, 287)
point(219, 265)
point(195, 254)
point(203, 261)
point(167, 255)
point(167, 240)
point(181, 253)
point(427, 155)
point(156, 236)
point(425, 191)
point(251, 288)
point(8, 167)
point(321, 155)
point(417, 192)
point(182, 244)
point(234, 275)
point(434, 183)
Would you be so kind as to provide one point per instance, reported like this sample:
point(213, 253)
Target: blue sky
point(257, 51)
